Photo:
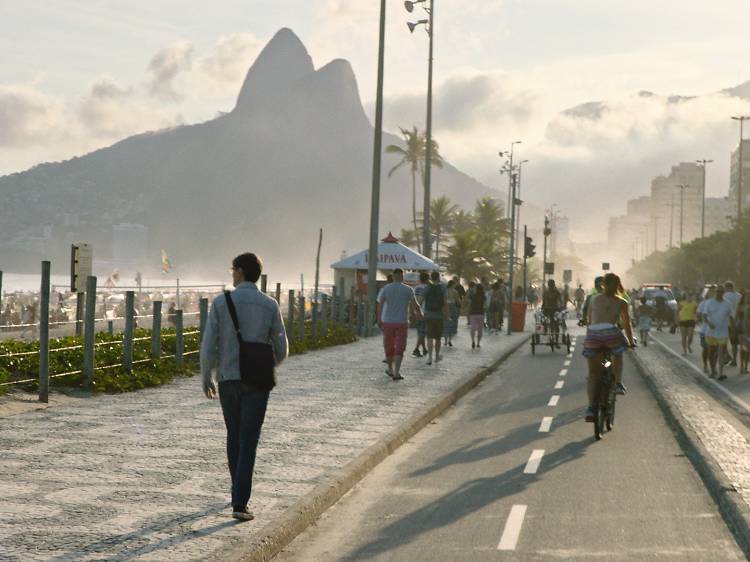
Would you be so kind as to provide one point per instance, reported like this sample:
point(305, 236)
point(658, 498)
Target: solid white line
point(534, 460)
point(563, 372)
point(559, 384)
point(733, 397)
point(545, 425)
point(567, 363)
point(512, 528)
point(553, 400)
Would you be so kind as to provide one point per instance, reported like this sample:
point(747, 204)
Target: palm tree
point(441, 220)
point(414, 155)
point(462, 221)
point(409, 237)
point(462, 257)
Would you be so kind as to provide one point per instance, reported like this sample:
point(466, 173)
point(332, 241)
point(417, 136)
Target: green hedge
point(115, 379)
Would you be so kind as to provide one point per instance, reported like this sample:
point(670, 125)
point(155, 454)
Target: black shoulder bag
point(257, 361)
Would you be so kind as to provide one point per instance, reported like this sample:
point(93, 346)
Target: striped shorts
point(605, 339)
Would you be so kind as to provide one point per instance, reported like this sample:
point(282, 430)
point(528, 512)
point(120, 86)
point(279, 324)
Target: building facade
point(734, 177)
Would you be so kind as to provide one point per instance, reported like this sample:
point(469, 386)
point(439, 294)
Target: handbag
point(257, 361)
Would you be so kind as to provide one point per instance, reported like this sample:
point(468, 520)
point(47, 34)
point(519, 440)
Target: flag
point(166, 265)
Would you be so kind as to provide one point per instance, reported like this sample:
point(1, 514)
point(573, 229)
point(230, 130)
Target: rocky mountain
point(294, 155)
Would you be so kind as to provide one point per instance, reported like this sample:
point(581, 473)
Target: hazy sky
point(80, 74)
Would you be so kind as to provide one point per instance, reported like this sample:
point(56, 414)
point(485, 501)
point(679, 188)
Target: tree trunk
point(414, 207)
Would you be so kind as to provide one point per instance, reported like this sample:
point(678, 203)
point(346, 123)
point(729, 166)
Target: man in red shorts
point(395, 302)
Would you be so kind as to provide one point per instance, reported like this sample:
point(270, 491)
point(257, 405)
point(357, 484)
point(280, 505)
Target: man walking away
point(243, 406)
point(395, 302)
point(476, 315)
point(718, 316)
point(434, 308)
point(703, 326)
point(419, 290)
point(733, 298)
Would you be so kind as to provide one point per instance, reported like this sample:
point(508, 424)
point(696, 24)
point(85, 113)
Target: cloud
point(28, 116)
point(223, 68)
point(164, 68)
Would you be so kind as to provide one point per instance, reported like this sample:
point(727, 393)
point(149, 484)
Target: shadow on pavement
point(468, 498)
point(484, 448)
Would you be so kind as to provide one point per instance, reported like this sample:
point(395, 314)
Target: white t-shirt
point(733, 299)
point(719, 313)
point(702, 326)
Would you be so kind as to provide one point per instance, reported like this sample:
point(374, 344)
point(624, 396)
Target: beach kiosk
point(392, 254)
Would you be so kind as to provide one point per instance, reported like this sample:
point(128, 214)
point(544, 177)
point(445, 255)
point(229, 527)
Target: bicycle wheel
point(598, 421)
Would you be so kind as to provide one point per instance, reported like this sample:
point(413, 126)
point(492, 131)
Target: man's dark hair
point(424, 277)
point(398, 271)
point(611, 284)
point(250, 265)
point(598, 281)
point(389, 278)
point(435, 276)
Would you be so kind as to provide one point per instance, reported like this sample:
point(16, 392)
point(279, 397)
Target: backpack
point(434, 299)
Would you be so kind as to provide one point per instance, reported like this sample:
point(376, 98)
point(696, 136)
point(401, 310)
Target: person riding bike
point(580, 296)
point(607, 311)
point(598, 288)
point(552, 303)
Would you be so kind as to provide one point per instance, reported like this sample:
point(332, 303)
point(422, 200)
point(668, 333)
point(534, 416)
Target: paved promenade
point(143, 475)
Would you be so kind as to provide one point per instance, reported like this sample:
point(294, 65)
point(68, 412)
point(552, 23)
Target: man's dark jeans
point(244, 410)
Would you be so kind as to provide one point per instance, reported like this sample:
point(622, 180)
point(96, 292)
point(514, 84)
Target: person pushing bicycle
point(607, 314)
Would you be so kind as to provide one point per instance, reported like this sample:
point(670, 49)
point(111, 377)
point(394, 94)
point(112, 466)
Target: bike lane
point(514, 473)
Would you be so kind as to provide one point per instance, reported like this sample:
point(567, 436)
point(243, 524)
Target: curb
point(279, 533)
point(733, 509)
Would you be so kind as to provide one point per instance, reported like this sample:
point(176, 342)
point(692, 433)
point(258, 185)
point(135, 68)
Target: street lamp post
point(518, 212)
point(514, 202)
point(372, 263)
point(703, 164)
point(741, 119)
point(429, 23)
point(509, 166)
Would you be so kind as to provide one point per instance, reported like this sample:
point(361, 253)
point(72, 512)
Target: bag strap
point(233, 314)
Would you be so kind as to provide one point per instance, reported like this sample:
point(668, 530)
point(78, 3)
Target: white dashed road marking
point(563, 372)
point(534, 460)
point(559, 384)
point(512, 528)
point(553, 400)
point(567, 363)
point(545, 425)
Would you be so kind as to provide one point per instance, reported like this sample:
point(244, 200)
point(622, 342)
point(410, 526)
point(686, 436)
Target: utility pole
point(703, 164)
point(525, 256)
point(372, 264)
point(741, 119)
point(512, 248)
point(427, 237)
point(547, 232)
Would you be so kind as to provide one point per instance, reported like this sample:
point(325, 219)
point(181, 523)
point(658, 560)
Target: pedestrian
point(476, 315)
point(645, 318)
point(172, 315)
point(243, 404)
point(434, 309)
point(718, 315)
point(702, 327)
point(395, 302)
point(419, 290)
point(497, 305)
point(450, 328)
point(733, 298)
point(686, 315)
point(743, 322)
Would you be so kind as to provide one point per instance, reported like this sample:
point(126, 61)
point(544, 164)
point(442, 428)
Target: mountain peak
point(282, 61)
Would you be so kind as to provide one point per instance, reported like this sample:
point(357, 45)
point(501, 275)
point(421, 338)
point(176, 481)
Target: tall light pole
point(514, 202)
point(682, 187)
point(372, 263)
point(518, 212)
point(509, 154)
point(703, 164)
point(741, 119)
point(429, 24)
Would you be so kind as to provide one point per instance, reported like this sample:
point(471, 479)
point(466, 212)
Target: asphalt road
point(484, 483)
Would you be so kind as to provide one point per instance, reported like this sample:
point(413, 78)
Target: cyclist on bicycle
point(580, 296)
point(607, 312)
point(552, 303)
point(598, 288)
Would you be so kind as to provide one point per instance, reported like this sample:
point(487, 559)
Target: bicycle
point(604, 397)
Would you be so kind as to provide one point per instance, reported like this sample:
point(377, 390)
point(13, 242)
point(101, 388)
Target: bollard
point(324, 317)
point(89, 331)
point(263, 283)
point(156, 331)
point(277, 295)
point(203, 305)
point(111, 327)
point(334, 305)
point(290, 316)
point(301, 318)
point(44, 335)
point(179, 347)
point(315, 320)
point(79, 313)
point(360, 319)
point(127, 344)
point(342, 299)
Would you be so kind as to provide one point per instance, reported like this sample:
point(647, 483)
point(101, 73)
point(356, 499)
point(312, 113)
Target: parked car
point(661, 298)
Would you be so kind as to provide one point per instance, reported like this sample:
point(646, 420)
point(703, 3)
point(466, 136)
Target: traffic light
point(529, 250)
